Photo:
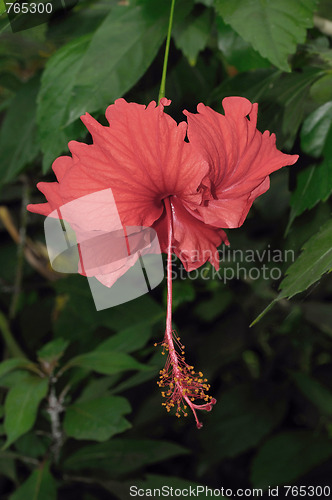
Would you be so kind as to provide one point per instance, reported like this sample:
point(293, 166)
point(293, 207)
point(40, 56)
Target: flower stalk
point(168, 41)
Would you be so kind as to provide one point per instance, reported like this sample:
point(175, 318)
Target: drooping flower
point(187, 191)
point(143, 158)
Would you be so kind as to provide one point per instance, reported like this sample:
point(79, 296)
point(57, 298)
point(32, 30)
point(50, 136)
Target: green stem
point(168, 41)
point(8, 338)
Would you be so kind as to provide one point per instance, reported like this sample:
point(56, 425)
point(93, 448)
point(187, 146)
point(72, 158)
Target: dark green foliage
point(80, 411)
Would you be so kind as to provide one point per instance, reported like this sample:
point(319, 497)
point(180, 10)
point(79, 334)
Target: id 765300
point(29, 8)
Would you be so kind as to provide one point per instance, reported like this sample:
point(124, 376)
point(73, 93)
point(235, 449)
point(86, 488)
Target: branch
point(35, 253)
point(324, 25)
point(55, 408)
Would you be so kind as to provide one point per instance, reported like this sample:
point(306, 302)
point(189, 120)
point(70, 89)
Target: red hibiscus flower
point(187, 191)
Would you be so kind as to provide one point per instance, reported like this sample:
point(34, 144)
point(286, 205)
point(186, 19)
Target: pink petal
point(239, 156)
point(194, 241)
point(143, 157)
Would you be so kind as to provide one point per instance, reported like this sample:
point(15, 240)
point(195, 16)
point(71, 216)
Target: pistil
point(184, 385)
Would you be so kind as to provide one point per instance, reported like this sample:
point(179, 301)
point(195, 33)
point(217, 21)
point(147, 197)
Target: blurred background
point(80, 410)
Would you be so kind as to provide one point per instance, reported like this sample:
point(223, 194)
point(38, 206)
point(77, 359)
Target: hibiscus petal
point(40, 208)
point(142, 155)
point(51, 192)
point(194, 241)
point(61, 165)
point(231, 212)
point(239, 156)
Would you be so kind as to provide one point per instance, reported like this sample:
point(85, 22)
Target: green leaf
point(141, 377)
point(76, 315)
point(15, 364)
point(192, 35)
point(3, 8)
point(142, 309)
point(91, 72)
point(136, 379)
point(316, 129)
point(13, 378)
point(321, 91)
point(129, 340)
point(120, 456)
point(273, 28)
point(314, 261)
point(97, 388)
point(106, 362)
point(18, 136)
point(253, 85)
point(33, 445)
point(207, 3)
point(314, 184)
point(134, 337)
point(214, 306)
point(39, 486)
point(240, 420)
point(21, 406)
point(281, 96)
point(52, 103)
point(288, 456)
point(80, 22)
point(52, 351)
point(78, 318)
point(319, 395)
point(98, 419)
point(237, 51)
